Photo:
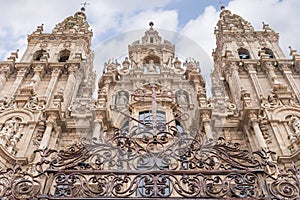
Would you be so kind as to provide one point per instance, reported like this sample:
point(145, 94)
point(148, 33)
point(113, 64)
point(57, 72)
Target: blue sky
point(194, 19)
point(191, 9)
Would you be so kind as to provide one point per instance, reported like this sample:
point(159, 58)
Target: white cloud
point(114, 48)
point(22, 16)
point(164, 19)
point(117, 6)
point(201, 30)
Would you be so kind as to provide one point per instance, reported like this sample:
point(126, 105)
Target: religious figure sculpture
point(5, 133)
point(295, 124)
point(32, 85)
point(10, 129)
point(151, 66)
point(181, 98)
point(122, 98)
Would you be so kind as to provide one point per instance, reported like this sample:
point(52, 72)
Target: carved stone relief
point(294, 123)
point(271, 102)
point(34, 104)
point(182, 97)
point(122, 98)
point(10, 134)
point(7, 103)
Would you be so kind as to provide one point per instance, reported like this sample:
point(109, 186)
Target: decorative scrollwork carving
point(271, 102)
point(82, 105)
point(35, 104)
point(6, 104)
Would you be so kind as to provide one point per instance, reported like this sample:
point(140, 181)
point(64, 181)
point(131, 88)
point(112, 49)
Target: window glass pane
point(146, 117)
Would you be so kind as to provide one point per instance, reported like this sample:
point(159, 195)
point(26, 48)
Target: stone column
point(54, 138)
point(96, 131)
point(2, 79)
point(254, 79)
point(208, 131)
point(78, 77)
point(235, 82)
point(282, 140)
point(260, 139)
point(69, 86)
point(50, 123)
point(27, 132)
point(292, 83)
point(51, 85)
point(18, 81)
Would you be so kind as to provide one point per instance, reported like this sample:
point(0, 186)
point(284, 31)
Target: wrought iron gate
point(135, 164)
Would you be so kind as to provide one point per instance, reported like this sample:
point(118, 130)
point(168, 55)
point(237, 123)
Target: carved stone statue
point(10, 129)
point(14, 140)
point(295, 124)
point(273, 100)
point(5, 132)
point(181, 98)
point(151, 66)
point(32, 85)
point(122, 98)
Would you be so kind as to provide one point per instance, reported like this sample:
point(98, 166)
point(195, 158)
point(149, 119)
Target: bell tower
point(239, 43)
point(259, 79)
point(41, 93)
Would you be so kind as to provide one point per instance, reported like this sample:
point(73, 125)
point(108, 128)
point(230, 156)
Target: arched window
point(64, 55)
point(151, 40)
point(153, 58)
point(38, 55)
point(269, 53)
point(146, 117)
point(243, 53)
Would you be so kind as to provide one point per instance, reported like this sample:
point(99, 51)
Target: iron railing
point(136, 164)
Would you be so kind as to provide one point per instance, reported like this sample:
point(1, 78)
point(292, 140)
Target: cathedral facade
point(152, 131)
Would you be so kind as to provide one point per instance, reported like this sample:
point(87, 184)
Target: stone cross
point(155, 92)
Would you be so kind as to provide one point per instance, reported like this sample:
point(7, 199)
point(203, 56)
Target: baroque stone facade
point(151, 131)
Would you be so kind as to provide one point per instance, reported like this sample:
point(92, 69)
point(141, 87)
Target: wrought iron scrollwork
point(16, 183)
point(128, 166)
